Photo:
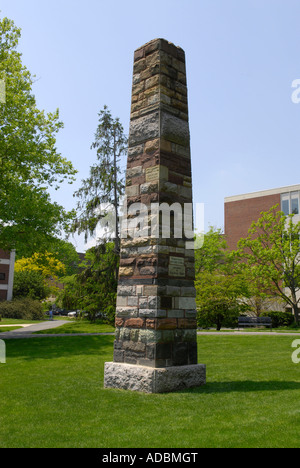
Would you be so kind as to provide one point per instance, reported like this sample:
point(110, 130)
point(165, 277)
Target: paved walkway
point(28, 331)
point(237, 333)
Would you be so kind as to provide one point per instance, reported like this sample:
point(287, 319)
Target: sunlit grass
point(52, 395)
point(80, 326)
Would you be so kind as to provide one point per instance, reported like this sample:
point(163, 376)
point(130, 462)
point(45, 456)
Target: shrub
point(279, 319)
point(30, 284)
point(25, 309)
point(218, 318)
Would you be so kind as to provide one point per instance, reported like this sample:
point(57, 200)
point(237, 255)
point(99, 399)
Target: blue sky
point(242, 57)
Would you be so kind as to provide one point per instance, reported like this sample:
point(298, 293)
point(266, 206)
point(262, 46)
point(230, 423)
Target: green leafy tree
point(219, 289)
point(71, 295)
point(103, 189)
point(29, 160)
point(99, 283)
point(93, 290)
point(213, 253)
point(30, 283)
point(66, 253)
point(269, 257)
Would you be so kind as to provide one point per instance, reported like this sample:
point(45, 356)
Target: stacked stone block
point(156, 310)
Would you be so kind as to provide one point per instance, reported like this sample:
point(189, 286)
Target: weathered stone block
point(174, 313)
point(185, 303)
point(127, 312)
point(148, 380)
point(144, 128)
point(149, 187)
point(132, 300)
point(121, 301)
point(152, 145)
point(134, 171)
point(175, 129)
point(132, 190)
point(126, 271)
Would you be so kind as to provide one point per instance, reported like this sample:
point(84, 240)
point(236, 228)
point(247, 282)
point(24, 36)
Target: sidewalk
point(249, 333)
point(28, 330)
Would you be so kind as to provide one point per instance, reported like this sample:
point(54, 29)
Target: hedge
point(25, 309)
point(279, 319)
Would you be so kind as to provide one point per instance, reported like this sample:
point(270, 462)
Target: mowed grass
point(8, 328)
point(52, 395)
point(79, 326)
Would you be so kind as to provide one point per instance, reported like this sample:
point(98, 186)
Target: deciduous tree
point(219, 289)
point(29, 160)
point(270, 257)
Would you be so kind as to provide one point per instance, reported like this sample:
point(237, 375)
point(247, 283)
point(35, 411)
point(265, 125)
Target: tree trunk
point(219, 322)
point(296, 313)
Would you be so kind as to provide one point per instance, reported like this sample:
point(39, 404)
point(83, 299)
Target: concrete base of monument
point(153, 380)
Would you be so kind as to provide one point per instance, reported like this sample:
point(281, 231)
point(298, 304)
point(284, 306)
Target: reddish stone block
point(139, 54)
point(187, 323)
point(151, 323)
point(134, 323)
point(119, 322)
point(167, 324)
point(127, 261)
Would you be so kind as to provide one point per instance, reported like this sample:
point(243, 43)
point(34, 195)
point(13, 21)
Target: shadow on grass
point(244, 386)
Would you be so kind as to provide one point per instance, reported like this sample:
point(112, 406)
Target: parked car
point(62, 312)
point(72, 314)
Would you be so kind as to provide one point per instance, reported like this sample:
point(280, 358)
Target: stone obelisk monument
point(155, 347)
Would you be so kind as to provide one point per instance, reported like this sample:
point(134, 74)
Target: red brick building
point(7, 264)
point(241, 210)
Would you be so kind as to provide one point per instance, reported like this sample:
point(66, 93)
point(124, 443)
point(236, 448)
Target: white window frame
point(289, 196)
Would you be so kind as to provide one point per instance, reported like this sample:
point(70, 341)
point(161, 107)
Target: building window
point(290, 203)
point(295, 203)
point(2, 276)
point(285, 205)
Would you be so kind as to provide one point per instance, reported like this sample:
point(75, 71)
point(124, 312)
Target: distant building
point(241, 210)
point(7, 266)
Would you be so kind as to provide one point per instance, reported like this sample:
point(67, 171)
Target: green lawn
point(52, 395)
point(9, 321)
point(8, 328)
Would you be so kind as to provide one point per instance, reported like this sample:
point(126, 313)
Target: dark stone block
point(180, 354)
point(150, 351)
point(166, 302)
point(164, 351)
point(118, 345)
point(192, 353)
point(118, 355)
